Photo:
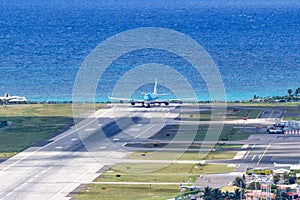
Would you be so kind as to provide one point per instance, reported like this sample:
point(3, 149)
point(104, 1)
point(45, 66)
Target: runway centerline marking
point(8, 194)
point(31, 153)
point(145, 131)
point(76, 180)
point(90, 129)
point(262, 156)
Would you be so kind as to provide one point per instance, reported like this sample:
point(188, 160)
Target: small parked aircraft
point(7, 99)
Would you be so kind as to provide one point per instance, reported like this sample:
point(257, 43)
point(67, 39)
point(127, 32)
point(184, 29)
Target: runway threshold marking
point(262, 156)
point(31, 153)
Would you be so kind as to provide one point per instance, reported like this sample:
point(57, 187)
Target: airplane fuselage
point(150, 97)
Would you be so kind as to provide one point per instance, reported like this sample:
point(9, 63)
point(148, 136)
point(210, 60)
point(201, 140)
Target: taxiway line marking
point(166, 115)
point(270, 116)
point(262, 156)
point(260, 112)
point(247, 154)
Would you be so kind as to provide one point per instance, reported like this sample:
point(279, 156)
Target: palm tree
point(207, 193)
point(216, 194)
point(237, 194)
point(290, 91)
point(226, 195)
point(238, 181)
point(297, 91)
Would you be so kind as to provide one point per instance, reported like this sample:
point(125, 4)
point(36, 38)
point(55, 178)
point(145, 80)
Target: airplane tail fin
point(155, 85)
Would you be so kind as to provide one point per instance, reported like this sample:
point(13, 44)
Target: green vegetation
point(31, 124)
point(176, 173)
point(259, 171)
point(292, 113)
point(186, 133)
point(230, 115)
point(239, 182)
point(185, 156)
point(220, 155)
point(160, 172)
point(265, 104)
point(212, 194)
point(45, 110)
point(243, 113)
point(227, 146)
point(128, 192)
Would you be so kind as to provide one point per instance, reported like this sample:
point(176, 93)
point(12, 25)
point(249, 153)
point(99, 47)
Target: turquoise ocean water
point(255, 44)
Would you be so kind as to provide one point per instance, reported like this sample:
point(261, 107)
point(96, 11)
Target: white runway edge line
point(31, 153)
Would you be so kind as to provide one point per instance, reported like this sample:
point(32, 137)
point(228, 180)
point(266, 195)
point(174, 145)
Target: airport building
point(290, 127)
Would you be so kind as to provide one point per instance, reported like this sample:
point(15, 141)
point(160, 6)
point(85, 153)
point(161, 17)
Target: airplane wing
point(121, 100)
point(125, 100)
point(183, 100)
point(164, 94)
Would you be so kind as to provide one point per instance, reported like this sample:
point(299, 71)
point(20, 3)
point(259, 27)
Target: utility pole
point(260, 186)
point(241, 193)
point(255, 190)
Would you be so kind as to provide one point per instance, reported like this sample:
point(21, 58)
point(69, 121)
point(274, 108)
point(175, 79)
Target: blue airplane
point(149, 99)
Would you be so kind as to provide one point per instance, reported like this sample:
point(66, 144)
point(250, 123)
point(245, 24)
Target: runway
point(54, 170)
point(76, 156)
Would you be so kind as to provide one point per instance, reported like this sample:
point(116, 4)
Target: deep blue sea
point(255, 44)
